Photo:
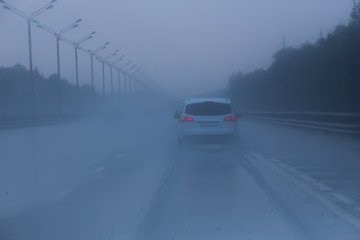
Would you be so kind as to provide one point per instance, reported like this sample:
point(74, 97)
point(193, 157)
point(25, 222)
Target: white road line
point(63, 193)
point(323, 197)
point(343, 198)
point(307, 178)
point(324, 188)
point(294, 171)
point(99, 170)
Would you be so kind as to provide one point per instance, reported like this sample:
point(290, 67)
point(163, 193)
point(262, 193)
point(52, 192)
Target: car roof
point(199, 100)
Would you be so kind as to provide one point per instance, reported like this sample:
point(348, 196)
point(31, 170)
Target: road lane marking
point(63, 193)
point(293, 222)
point(324, 188)
point(99, 170)
point(343, 198)
point(342, 207)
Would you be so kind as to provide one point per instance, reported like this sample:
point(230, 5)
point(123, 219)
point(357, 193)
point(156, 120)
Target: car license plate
point(208, 124)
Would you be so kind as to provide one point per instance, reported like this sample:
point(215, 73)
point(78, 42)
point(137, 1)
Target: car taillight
point(230, 118)
point(186, 119)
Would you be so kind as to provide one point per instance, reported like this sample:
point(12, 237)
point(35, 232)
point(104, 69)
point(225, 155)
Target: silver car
point(207, 117)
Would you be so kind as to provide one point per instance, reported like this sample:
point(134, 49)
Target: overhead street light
point(112, 55)
point(103, 68)
point(90, 36)
point(126, 65)
point(58, 36)
point(111, 75)
point(118, 60)
point(28, 19)
point(92, 54)
point(140, 82)
point(133, 67)
point(137, 82)
point(69, 27)
point(131, 77)
point(119, 81)
point(77, 46)
point(125, 75)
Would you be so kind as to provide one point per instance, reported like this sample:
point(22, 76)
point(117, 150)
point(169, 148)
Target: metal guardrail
point(345, 123)
point(11, 123)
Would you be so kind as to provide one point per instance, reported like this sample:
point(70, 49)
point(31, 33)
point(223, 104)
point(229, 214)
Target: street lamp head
point(74, 26)
point(107, 43)
point(49, 7)
point(54, 1)
point(112, 55)
point(92, 33)
point(79, 20)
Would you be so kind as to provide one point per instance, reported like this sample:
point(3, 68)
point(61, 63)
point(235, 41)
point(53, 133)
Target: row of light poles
point(129, 73)
point(92, 55)
point(29, 18)
point(77, 46)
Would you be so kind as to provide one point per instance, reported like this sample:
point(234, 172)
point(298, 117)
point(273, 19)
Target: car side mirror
point(238, 115)
point(177, 114)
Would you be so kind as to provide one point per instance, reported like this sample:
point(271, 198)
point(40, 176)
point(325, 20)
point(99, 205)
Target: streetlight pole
point(111, 76)
point(134, 80)
point(103, 69)
point(77, 46)
point(138, 86)
point(125, 66)
point(92, 54)
point(58, 36)
point(103, 78)
point(111, 84)
point(130, 88)
point(125, 87)
point(29, 19)
point(119, 82)
point(142, 75)
point(136, 83)
point(139, 82)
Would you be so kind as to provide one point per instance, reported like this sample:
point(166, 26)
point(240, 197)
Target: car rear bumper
point(207, 132)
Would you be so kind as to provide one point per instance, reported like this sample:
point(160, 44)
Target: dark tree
point(315, 77)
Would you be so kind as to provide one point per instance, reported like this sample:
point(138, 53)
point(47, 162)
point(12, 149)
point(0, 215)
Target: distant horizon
point(185, 55)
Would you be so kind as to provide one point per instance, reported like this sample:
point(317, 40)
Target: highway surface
point(123, 177)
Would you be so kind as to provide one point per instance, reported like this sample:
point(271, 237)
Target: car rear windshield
point(208, 109)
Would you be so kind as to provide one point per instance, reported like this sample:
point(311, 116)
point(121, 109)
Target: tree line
point(320, 77)
point(52, 96)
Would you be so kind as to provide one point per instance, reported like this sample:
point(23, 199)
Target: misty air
point(188, 120)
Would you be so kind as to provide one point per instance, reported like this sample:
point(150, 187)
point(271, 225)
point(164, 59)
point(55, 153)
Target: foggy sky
point(187, 46)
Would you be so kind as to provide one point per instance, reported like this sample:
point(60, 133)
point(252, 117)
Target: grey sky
point(187, 46)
